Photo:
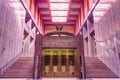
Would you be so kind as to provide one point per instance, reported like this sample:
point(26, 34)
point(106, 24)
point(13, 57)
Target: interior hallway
point(70, 39)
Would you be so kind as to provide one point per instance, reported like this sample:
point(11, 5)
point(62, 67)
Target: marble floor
point(60, 79)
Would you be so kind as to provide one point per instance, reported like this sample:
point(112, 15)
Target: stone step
point(22, 68)
point(97, 69)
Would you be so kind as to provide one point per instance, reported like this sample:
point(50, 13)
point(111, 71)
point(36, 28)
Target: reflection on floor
point(60, 79)
point(101, 79)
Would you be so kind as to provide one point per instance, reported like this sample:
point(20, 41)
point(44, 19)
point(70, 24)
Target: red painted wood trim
point(30, 4)
point(83, 10)
point(38, 18)
point(49, 10)
point(69, 9)
point(75, 28)
point(57, 2)
point(35, 11)
point(59, 25)
point(87, 5)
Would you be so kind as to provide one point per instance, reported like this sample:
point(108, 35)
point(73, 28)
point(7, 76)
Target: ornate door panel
point(59, 63)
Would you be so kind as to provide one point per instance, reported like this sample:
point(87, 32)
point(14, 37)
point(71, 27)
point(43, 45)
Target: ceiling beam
point(72, 3)
point(46, 20)
point(38, 2)
point(73, 15)
point(43, 9)
point(47, 9)
point(77, 1)
point(59, 25)
point(68, 22)
point(45, 15)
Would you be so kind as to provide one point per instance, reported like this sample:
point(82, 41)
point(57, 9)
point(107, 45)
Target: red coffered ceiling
point(59, 12)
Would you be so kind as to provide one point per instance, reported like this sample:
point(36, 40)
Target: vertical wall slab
point(90, 40)
point(28, 44)
point(11, 33)
point(85, 41)
point(107, 38)
point(38, 55)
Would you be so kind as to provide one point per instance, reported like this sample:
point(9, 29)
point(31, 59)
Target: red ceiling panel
point(59, 12)
point(77, 1)
point(42, 1)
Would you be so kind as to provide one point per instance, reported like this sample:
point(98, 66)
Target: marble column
point(85, 42)
point(90, 40)
point(38, 54)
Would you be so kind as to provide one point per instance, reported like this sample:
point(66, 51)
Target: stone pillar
point(36, 66)
point(90, 42)
point(37, 60)
point(80, 50)
point(79, 54)
point(85, 42)
point(93, 45)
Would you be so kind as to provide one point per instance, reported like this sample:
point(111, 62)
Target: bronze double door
point(59, 63)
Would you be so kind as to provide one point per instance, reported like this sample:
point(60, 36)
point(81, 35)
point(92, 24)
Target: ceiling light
point(59, 13)
point(59, 6)
point(107, 1)
point(98, 13)
point(59, 19)
point(103, 6)
point(59, 0)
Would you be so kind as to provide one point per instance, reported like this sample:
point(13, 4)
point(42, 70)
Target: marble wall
point(11, 35)
point(107, 33)
point(28, 44)
point(12, 26)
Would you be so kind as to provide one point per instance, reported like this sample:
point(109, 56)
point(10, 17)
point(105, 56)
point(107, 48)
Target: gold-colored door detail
point(59, 63)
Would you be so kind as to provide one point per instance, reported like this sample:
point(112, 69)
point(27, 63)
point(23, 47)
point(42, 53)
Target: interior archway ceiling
point(65, 12)
point(59, 12)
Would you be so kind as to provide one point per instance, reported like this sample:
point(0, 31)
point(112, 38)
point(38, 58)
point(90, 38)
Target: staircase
point(59, 79)
point(22, 68)
point(97, 69)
